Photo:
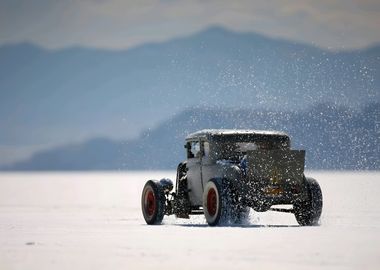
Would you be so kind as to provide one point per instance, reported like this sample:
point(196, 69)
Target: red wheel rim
point(211, 202)
point(150, 203)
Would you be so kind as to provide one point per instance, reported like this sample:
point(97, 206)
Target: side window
point(196, 149)
point(193, 149)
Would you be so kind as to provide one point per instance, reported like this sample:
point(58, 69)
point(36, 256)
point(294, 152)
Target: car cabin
point(231, 144)
point(208, 149)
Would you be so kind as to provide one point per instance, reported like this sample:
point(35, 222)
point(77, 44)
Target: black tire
point(238, 211)
point(215, 204)
point(153, 203)
point(308, 212)
point(242, 215)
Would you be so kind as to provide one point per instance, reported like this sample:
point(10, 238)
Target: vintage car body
point(227, 172)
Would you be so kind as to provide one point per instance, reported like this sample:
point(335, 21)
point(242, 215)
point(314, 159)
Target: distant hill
point(334, 138)
point(58, 96)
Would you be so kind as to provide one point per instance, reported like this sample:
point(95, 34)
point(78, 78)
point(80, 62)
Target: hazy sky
point(124, 23)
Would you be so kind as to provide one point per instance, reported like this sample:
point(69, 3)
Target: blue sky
point(335, 24)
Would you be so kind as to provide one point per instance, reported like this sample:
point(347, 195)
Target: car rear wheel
point(153, 202)
point(308, 212)
point(242, 215)
point(214, 202)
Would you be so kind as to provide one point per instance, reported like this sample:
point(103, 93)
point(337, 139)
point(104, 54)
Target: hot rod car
point(229, 172)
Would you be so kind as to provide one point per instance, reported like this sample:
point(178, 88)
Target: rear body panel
point(276, 175)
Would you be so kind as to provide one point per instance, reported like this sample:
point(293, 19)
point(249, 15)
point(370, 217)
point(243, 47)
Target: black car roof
point(209, 133)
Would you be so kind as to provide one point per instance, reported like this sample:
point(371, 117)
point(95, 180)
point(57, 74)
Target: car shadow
point(244, 226)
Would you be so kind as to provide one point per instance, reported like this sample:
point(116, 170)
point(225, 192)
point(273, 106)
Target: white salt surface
point(93, 221)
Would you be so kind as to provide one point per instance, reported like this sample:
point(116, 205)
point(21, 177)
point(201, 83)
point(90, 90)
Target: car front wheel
point(153, 202)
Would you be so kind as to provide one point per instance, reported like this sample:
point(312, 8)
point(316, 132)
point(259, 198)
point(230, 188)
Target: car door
point(194, 179)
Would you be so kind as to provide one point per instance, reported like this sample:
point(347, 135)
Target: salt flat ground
point(94, 221)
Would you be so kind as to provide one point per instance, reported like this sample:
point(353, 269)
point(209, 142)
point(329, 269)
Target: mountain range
point(57, 97)
point(335, 138)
